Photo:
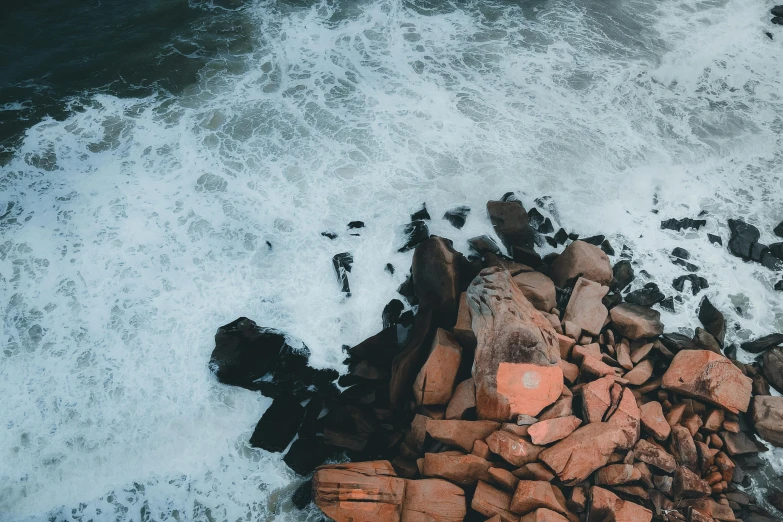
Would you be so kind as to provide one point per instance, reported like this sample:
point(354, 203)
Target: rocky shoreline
point(522, 388)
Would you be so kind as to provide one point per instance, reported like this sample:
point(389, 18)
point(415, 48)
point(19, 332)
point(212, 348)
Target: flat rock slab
point(635, 321)
point(653, 420)
point(492, 502)
point(534, 494)
point(552, 430)
point(585, 307)
point(580, 259)
point(430, 500)
point(458, 468)
point(584, 451)
point(538, 288)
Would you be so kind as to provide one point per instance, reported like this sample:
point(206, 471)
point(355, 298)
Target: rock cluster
point(517, 394)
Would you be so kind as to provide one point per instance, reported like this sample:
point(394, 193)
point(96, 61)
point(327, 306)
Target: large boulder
point(511, 224)
point(585, 307)
point(278, 425)
point(763, 344)
point(710, 377)
point(516, 368)
point(635, 321)
point(773, 367)
point(712, 320)
point(584, 451)
point(581, 259)
point(433, 500)
point(768, 418)
point(605, 505)
point(435, 382)
point(456, 467)
point(436, 278)
point(538, 288)
point(743, 237)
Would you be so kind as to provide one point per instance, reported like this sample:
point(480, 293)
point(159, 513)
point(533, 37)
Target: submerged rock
point(415, 232)
point(342, 266)
point(421, 214)
point(648, 295)
point(278, 425)
point(457, 216)
point(712, 320)
point(743, 237)
point(680, 224)
point(623, 275)
point(697, 283)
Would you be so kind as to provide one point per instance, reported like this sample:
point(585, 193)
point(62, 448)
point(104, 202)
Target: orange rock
point(566, 344)
point(624, 355)
point(708, 376)
point(627, 418)
point(641, 373)
point(504, 479)
point(687, 484)
point(581, 259)
point(460, 469)
point(516, 364)
point(585, 308)
point(714, 420)
point(481, 449)
point(615, 474)
point(463, 398)
point(463, 330)
point(570, 371)
point(596, 399)
point(538, 288)
point(548, 431)
point(459, 433)
point(359, 492)
point(512, 448)
point(435, 382)
point(675, 414)
point(490, 502)
point(543, 515)
point(561, 408)
point(534, 471)
point(433, 500)
point(605, 505)
point(639, 353)
point(581, 351)
point(654, 455)
point(534, 494)
point(595, 367)
point(654, 421)
point(585, 450)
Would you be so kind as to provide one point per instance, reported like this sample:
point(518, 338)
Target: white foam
point(140, 225)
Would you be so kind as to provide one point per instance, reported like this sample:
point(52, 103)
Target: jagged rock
point(585, 450)
point(712, 320)
point(512, 448)
point(708, 376)
point(687, 484)
point(305, 454)
point(543, 515)
point(616, 474)
point(706, 341)
point(636, 322)
point(456, 467)
point(406, 364)
point(552, 430)
point(391, 312)
point(492, 502)
point(679, 224)
point(581, 259)
point(654, 421)
point(740, 443)
point(763, 344)
point(596, 398)
point(278, 425)
point(627, 418)
point(698, 283)
point(684, 448)
point(773, 367)
point(503, 479)
point(605, 505)
point(435, 382)
point(436, 278)
point(654, 455)
point(421, 214)
point(517, 353)
point(623, 275)
point(743, 236)
point(511, 224)
point(459, 433)
point(585, 308)
point(457, 216)
point(640, 374)
point(645, 296)
point(463, 399)
point(715, 240)
point(433, 500)
point(535, 494)
point(359, 491)
point(342, 266)
point(768, 418)
point(538, 288)
point(484, 244)
point(415, 232)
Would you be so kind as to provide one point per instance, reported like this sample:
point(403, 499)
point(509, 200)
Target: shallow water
point(137, 222)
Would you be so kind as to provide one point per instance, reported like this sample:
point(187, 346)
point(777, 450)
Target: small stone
point(740, 443)
point(534, 494)
point(504, 479)
point(641, 373)
point(538, 288)
point(743, 236)
point(763, 343)
point(623, 275)
point(646, 296)
point(457, 216)
point(455, 467)
point(653, 420)
point(616, 474)
point(712, 320)
point(596, 399)
point(684, 448)
point(637, 354)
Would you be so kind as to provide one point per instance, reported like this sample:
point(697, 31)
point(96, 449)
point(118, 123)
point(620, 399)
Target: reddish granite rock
point(535, 471)
point(512, 448)
point(503, 479)
point(563, 407)
point(359, 492)
point(627, 418)
point(538, 288)
point(687, 484)
point(740, 443)
point(516, 363)
point(548, 431)
point(615, 474)
point(463, 398)
point(534, 494)
point(585, 450)
point(581, 351)
point(433, 500)
point(624, 355)
point(435, 381)
point(595, 367)
point(463, 331)
point(459, 433)
point(710, 508)
point(654, 455)
point(653, 420)
point(641, 373)
point(457, 468)
point(543, 515)
point(596, 399)
point(585, 308)
point(605, 505)
point(675, 414)
point(636, 322)
point(684, 449)
point(565, 344)
point(768, 418)
point(581, 259)
point(570, 371)
point(708, 376)
point(490, 501)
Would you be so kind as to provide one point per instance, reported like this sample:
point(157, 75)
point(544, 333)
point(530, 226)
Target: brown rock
point(596, 399)
point(636, 322)
point(581, 259)
point(504, 479)
point(654, 421)
point(585, 450)
point(605, 505)
point(687, 484)
point(768, 418)
point(433, 500)
point(615, 474)
point(713, 421)
point(624, 355)
point(407, 363)
point(511, 224)
point(459, 433)
point(561, 408)
point(548, 431)
point(773, 367)
point(654, 455)
point(543, 515)
point(463, 399)
point(645, 475)
point(710, 508)
point(585, 308)
point(359, 492)
point(519, 430)
point(708, 376)
point(534, 494)
point(480, 449)
point(693, 423)
point(595, 367)
point(462, 329)
point(458, 468)
point(435, 382)
point(538, 288)
point(675, 414)
point(578, 500)
point(572, 330)
point(581, 351)
point(435, 272)
point(663, 483)
point(490, 502)
point(641, 373)
point(512, 448)
point(740, 443)
point(627, 418)
point(565, 344)
point(534, 471)
point(570, 371)
point(684, 449)
point(637, 354)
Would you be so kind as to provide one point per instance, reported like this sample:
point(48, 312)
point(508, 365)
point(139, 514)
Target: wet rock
point(552, 430)
point(740, 443)
point(708, 376)
point(585, 308)
point(511, 224)
point(605, 505)
point(407, 362)
point(461, 469)
point(776, 249)
point(490, 502)
point(636, 322)
point(484, 244)
point(391, 312)
point(585, 450)
point(435, 382)
point(526, 256)
point(355, 224)
point(681, 253)
point(460, 434)
point(278, 425)
point(305, 454)
point(623, 275)
point(516, 366)
point(649, 295)
point(680, 224)
point(457, 216)
point(531, 495)
point(768, 418)
point(329, 235)
point(607, 248)
point(581, 259)
point(538, 288)
point(773, 367)
point(431, 500)
point(712, 320)
point(421, 214)
point(436, 278)
point(715, 240)
point(779, 286)
point(415, 232)
point(697, 283)
point(561, 236)
point(303, 495)
point(763, 344)
point(743, 236)
point(359, 491)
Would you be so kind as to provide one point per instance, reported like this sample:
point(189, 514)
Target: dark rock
point(551, 241)
point(679, 224)
point(436, 278)
point(407, 291)
point(484, 244)
point(561, 236)
point(697, 283)
point(772, 262)
point(546, 227)
point(626, 253)
point(510, 197)
point(763, 344)
point(573, 236)
point(776, 249)
point(408, 362)
point(778, 20)
point(311, 425)
point(758, 251)
point(769, 35)
point(668, 304)
point(607, 248)
point(731, 351)
point(356, 224)
point(712, 320)
point(457, 216)
point(611, 300)
point(511, 224)
point(526, 256)
point(743, 236)
point(778, 11)
point(416, 232)
point(623, 275)
point(342, 266)
point(391, 312)
point(303, 494)
point(380, 348)
point(677, 342)
point(715, 240)
point(779, 286)
point(421, 214)
point(330, 235)
point(594, 240)
point(681, 253)
point(304, 456)
point(690, 267)
point(389, 268)
point(646, 296)
point(773, 367)
point(278, 424)
point(535, 218)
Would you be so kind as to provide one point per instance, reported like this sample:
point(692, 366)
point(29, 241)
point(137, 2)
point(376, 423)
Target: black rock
point(421, 213)
point(391, 312)
point(730, 351)
point(511, 224)
point(535, 218)
point(715, 240)
point(607, 248)
point(677, 342)
point(758, 251)
point(679, 224)
point(668, 304)
point(778, 20)
point(623, 275)
point(743, 236)
point(551, 241)
point(510, 197)
point(546, 227)
point(626, 253)
point(380, 348)
point(647, 296)
point(330, 235)
point(573, 236)
point(690, 267)
point(681, 253)
point(526, 256)
point(278, 425)
point(457, 216)
point(772, 262)
point(416, 232)
point(484, 244)
point(712, 320)
point(776, 249)
point(303, 494)
point(407, 291)
point(779, 286)
point(778, 11)
point(612, 299)
point(763, 343)
point(342, 266)
point(311, 426)
point(561, 236)
point(356, 224)
point(389, 268)
point(594, 240)
point(436, 270)
point(697, 283)
point(769, 35)
point(304, 456)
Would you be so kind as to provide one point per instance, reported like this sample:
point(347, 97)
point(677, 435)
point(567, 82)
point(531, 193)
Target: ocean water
point(156, 186)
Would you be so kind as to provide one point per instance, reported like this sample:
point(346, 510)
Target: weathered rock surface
point(596, 399)
point(626, 416)
point(491, 501)
point(359, 492)
point(585, 308)
point(513, 448)
point(463, 399)
point(436, 278)
point(654, 455)
point(433, 500)
point(534, 494)
point(636, 322)
point(768, 418)
point(687, 484)
point(708, 376)
point(712, 320)
point(654, 421)
point(552, 430)
point(435, 381)
point(460, 434)
point(773, 368)
point(458, 468)
point(511, 224)
point(516, 368)
point(585, 450)
point(763, 344)
point(580, 259)
point(605, 505)
point(538, 288)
